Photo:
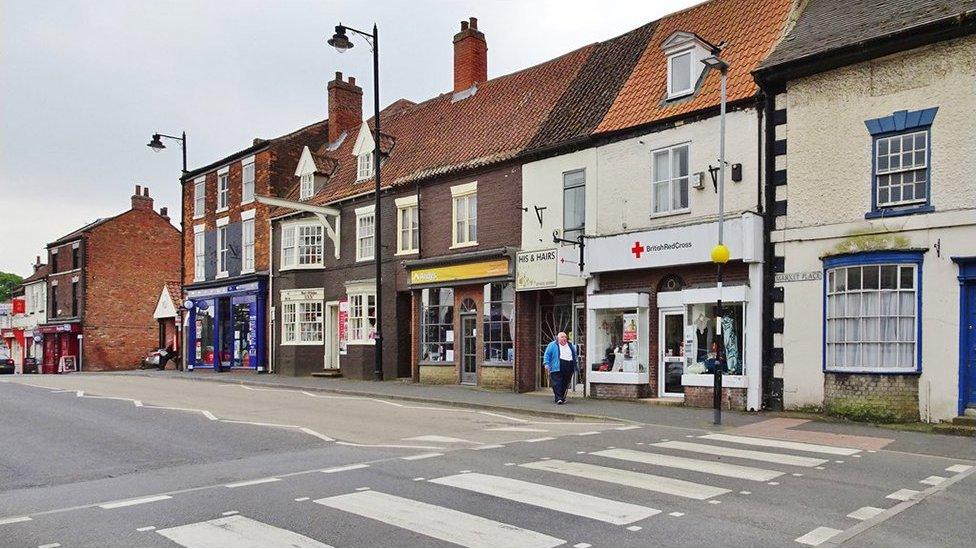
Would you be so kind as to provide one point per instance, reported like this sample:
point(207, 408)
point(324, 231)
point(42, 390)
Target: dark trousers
point(560, 380)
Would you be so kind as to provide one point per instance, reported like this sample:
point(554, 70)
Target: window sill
point(464, 245)
point(433, 363)
point(301, 267)
point(247, 271)
point(195, 216)
point(669, 213)
point(408, 252)
point(679, 94)
point(361, 342)
point(363, 259)
point(905, 372)
point(222, 210)
point(878, 214)
point(248, 201)
point(498, 364)
point(300, 343)
point(222, 275)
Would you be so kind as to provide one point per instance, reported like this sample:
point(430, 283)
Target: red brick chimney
point(470, 56)
point(345, 106)
point(141, 199)
point(164, 213)
point(37, 263)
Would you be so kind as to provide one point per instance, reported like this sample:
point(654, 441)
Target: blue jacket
point(551, 357)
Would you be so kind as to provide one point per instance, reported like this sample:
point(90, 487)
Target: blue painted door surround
point(967, 332)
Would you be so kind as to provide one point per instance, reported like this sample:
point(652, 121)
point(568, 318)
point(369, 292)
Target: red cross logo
point(637, 250)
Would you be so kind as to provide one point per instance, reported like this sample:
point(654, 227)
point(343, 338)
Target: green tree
point(8, 281)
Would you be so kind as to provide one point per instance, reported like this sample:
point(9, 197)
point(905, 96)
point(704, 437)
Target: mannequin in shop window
point(703, 334)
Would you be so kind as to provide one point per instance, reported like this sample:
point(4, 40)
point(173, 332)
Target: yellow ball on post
point(720, 254)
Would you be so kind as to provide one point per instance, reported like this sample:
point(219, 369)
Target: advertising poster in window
point(630, 327)
point(343, 320)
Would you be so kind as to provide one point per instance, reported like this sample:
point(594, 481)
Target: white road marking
point(489, 447)
point(774, 483)
point(509, 418)
point(785, 444)
point(14, 520)
point(745, 492)
point(417, 479)
point(49, 545)
point(146, 529)
point(302, 499)
point(784, 459)
point(236, 531)
point(714, 501)
point(959, 468)
point(519, 429)
point(438, 522)
point(316, 434)
point(902, 495)
point(633, 479)
point(797, 474)
point(345, 468)
point(252, 482)
point(362, 488)
point(634, 528)
point(79, 394)
point(229, 513)
point(548, 497)
point(543, 439)
point(933, 480)
point(412, 447)
point(438, 438)
point(422, 456)
point(130, 502)
point(582, 545)
point(587, 433)
point(817, 536)
point(676, 514)
point(677, 462)
point(864, 513)
point(627, 427)
point(839, 461)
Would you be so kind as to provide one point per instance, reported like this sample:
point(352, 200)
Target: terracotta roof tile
point(750, 28)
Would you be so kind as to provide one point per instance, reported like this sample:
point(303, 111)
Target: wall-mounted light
point(699, 181)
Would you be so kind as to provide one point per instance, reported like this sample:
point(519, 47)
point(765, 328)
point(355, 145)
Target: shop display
point(617, 335)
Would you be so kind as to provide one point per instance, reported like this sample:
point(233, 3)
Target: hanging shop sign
point(466, 271)
point(536, 270)
point(343, 320)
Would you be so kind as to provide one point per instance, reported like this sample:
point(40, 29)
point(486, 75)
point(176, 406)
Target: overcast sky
point(84, 84)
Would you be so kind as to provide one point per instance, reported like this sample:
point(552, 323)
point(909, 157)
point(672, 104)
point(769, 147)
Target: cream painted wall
point(829, 144)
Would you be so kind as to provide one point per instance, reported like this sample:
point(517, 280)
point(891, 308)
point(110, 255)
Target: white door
point(332, 335)
point(671, 358)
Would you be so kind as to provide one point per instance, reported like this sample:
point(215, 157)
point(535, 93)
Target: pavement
point(157, 460)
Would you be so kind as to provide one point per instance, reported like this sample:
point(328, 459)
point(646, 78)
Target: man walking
point(560, 360)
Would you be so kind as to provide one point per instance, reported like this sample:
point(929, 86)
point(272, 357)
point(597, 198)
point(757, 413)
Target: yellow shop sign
point(465, 271)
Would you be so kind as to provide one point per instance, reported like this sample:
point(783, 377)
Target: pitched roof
point(443, 135)
point(749, 28)
point(74, 235)
point(828, 25)
point(42, 271)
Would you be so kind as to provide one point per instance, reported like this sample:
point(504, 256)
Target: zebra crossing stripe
point(712, 467)
point(556, 499)
point(236, 531)
point(784, 459)
point(643, 481)
point(784, 444)
point(437, 522)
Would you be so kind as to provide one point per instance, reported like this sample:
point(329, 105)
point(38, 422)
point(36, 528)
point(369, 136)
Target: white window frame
point(364, 166)
point(247, 185)
point(365, 252)
point(464, 194)
point(223, 251)
point(670, 180)
point(358, 327)
point(840, 326)
point(410, 206)
point(294, 253)
point(673, 93)
point(901, 170)
point(199, 253)
point(572, 187)
point(247, 245)
point(298, 321)
point(306, 187)
point(199, 197)
point(223, 190)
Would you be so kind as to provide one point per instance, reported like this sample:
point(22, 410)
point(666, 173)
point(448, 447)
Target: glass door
point(469, 349)
point(332, 336)
point(671, 352)
point(225, 330)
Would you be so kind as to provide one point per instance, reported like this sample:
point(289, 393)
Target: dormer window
point(679, 74)
point(365, 166)
point(307, 188)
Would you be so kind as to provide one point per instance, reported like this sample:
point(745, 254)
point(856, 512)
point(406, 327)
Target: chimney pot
point(338, 76)
point(474, 23)
point(145, 191)
point(164, 213)
point(352, 80)
point(141, 199)
point(464, 25)
point(138, 190)
point(470, 56)
point(345, 106)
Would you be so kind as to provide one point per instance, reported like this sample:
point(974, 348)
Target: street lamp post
point(720, 253)
point(156, 144)
point(340, 41)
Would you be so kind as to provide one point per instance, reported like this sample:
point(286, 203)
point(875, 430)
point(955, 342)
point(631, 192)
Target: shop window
point(700, 345)
point(499, 322)
point(362, 318)
point(872, 317)
point(617, 341)
point(437, 325)
point(670, 180)
point(301, 322)
point(204, 347)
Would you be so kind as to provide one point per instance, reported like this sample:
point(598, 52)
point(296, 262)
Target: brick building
point(225, 249)
point(102, 287)
point(29, 311)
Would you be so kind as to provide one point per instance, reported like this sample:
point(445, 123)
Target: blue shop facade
point(226, 325)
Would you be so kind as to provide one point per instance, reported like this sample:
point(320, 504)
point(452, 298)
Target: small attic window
point(307, 188)
point(364, 166)
point(680, 81)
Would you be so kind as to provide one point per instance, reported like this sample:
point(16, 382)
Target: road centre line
point(421, 456)
point(131, 502)
point(345, 468)
point(251, 482)
point(14, 520)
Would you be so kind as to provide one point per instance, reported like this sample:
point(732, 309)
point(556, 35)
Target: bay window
point(301, 322)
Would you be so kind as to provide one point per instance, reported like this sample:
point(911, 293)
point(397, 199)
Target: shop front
point(62, 347)
point(464, 319)
point(655, 328)
point(225, 326)
point(13, 341)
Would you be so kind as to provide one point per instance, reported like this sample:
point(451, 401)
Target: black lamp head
point(339, 40)
point(156, 144)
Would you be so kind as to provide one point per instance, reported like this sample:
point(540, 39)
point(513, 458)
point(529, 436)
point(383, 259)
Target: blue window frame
point(901, 156)
point(872, 304)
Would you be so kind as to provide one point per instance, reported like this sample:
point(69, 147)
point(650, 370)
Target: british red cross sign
point(637, 250)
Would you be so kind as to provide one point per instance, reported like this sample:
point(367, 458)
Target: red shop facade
point(62, 347)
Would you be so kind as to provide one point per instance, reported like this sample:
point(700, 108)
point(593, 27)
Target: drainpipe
point(269, 306)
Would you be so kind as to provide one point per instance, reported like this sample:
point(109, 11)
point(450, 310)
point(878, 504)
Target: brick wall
point(733, 398)
point(496, 377)
point(526, 335)
point(893, 394)
point(62, 273)
point(129, 258)
point(438, 375)
point(619, 391)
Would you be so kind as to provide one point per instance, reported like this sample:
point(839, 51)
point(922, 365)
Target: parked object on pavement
point(7, 366)
point(30, 365)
